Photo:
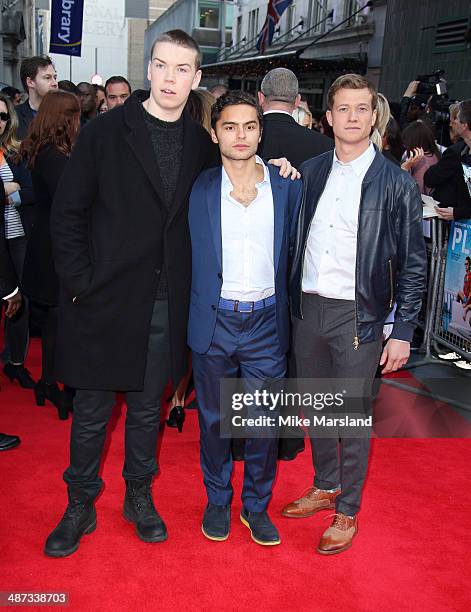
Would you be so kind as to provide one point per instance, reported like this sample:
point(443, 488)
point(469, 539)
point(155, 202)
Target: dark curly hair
point(233, 98)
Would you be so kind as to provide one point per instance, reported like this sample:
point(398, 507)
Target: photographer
point(450, 177)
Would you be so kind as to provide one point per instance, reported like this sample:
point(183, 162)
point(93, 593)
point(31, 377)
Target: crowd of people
point(126, 213)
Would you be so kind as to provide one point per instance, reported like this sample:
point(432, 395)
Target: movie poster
point(457, 291)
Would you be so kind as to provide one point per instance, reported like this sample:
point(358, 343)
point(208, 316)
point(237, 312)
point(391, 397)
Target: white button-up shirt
point(247, 242)
point(331, 250)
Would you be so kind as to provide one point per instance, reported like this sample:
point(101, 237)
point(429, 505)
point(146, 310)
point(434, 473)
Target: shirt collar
point(270, 112)
point(359, 165)
point(226, 181)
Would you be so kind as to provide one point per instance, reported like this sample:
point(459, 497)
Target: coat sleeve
point(411, 265)
point(7, 276)
point(444, 170)
point(74, 198)
point(22, 176)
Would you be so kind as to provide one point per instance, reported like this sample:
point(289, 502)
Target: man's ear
point(297, 101)
point(328, 115)
point(214, 138)
point(148, 71)
point(30, 82)
point(261, 98)
point(196, 79)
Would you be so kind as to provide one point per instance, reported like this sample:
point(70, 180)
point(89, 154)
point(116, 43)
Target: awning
point(261, 64)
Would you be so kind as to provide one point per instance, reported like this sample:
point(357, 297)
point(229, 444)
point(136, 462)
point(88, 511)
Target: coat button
point(157, 270)
point(219, 275)
point(213, 306)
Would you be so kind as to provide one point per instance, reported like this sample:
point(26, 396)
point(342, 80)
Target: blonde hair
point(351, 81)
point(8, 140)
point(300, 113)
point(383, 115)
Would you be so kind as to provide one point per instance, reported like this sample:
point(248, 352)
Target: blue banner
point(456, 316)
point(66, 27)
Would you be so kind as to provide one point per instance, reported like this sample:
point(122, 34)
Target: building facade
point(17, 38)
point(317, 39)
point(422, 37)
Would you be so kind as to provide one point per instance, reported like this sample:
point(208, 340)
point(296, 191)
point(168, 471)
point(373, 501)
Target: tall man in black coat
point(123, 256)
point(122, 253)
point(282, 136)
point(8, 293)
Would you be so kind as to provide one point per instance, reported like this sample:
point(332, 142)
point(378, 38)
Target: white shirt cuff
point(10, 295)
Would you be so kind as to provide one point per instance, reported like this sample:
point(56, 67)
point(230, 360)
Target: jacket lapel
point(213, 201)
point(189, 165)
point(139, 140)
point(278, 188)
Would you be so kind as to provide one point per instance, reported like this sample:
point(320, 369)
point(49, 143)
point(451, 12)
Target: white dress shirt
point(247, 242)
point(331, 250)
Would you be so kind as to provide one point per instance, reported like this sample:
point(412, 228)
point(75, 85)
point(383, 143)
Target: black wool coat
point(112, 235)
point(40, 281)
point(283, 137)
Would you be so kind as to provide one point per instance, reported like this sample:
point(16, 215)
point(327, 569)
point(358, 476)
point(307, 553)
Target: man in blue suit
point(242, 218)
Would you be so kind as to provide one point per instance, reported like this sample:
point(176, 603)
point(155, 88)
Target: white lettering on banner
point(460, 236)
point(66, 20)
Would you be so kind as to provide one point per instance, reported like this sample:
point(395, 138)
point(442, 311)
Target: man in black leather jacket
point(359, 249)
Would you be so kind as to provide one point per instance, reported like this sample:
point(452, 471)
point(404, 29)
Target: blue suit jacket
point(207, 273)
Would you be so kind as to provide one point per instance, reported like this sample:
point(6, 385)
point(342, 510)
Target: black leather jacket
point(391, 260)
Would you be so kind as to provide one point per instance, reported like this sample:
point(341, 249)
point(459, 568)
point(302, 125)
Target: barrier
point(439, 334)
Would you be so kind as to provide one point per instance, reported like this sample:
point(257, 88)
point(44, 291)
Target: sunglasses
point(4, 116)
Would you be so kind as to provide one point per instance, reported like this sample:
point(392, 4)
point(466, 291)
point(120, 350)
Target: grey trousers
point(323, 348)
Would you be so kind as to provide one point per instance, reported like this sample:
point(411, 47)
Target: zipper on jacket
point(356, 339)
point(391, 286)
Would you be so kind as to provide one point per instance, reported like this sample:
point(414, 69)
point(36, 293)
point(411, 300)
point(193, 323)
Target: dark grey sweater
point(167, 140)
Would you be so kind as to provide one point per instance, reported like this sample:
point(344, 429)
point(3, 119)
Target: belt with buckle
point(238, 306)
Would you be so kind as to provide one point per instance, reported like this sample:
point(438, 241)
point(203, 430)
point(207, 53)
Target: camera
point(432, 84)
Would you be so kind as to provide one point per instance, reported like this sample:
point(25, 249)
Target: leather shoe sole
point(69, 551)
point(159, 538)
point(274, 543)
point(214, 538)
point(334, 552)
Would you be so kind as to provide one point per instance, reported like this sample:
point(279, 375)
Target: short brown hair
point(179, 37)
point(352, 81)
point(30, 66)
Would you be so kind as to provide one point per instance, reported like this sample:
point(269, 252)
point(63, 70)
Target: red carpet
point(411, 552)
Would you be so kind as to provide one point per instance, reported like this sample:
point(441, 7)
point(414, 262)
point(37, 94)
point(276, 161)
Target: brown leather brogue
point(314, 500)
point(338, 537)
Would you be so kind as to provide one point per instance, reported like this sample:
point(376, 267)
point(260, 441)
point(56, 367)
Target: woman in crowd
point(47, 148)
point(19, 196)
point(393, 148)
point(419, 136)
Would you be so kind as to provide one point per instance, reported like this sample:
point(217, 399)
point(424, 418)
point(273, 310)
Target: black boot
point(139, 509)
point(19, 373)
point(50, 391)
point(79, 519)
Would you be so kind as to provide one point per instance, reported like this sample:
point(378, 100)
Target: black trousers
point(92, 411)
point(323, 348)
point(17, 328)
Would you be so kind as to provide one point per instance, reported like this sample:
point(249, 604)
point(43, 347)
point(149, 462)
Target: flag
point(66, 27)
point(275, 10)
